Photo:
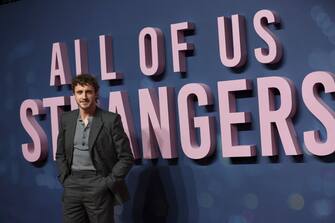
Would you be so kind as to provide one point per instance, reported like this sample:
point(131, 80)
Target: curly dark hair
point(85, 79)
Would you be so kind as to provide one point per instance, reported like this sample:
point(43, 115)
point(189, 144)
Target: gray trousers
point(87, 199)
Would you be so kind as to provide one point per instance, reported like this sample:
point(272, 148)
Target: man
point(93, 157)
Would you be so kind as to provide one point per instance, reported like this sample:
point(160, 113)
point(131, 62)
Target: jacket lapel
point(72, 130)
point(95, 128)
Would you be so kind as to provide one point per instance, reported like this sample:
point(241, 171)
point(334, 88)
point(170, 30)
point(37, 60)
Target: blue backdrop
point(260, 190)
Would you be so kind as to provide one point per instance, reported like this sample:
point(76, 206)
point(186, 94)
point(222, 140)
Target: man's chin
point(85, 107)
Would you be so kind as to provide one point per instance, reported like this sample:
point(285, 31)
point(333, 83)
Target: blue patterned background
point(262, 190)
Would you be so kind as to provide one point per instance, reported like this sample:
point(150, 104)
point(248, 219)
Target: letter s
point(38, 150)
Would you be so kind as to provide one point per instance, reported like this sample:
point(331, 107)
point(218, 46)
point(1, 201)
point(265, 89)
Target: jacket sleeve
point(61, 162)
point(124, 156)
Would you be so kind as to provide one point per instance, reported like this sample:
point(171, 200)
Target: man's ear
point(97, 98)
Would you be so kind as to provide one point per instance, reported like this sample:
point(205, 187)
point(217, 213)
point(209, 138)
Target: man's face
point(85, 96)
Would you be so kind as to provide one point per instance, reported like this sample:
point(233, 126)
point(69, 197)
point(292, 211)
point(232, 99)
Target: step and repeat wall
point(228, 105)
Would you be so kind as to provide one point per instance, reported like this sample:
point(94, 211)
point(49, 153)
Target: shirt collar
point(89, 119)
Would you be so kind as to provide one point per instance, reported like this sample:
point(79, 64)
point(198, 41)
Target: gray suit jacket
point(109, 148)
